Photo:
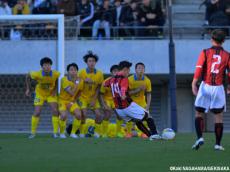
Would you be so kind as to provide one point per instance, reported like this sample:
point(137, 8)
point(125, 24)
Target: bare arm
point(148, 99)
point(194, 86)
point(28, 85)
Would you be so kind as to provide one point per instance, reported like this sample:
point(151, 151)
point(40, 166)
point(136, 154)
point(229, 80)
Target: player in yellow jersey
point(71, 87)
point(140, 90)
point(108, 104)
point(93, 79)
point(46, 90)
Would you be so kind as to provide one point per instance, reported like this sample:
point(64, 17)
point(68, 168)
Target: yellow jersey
point(106, 91)
point(66, 83)
point(45, 83)
point(134, 83)
point(97, 77)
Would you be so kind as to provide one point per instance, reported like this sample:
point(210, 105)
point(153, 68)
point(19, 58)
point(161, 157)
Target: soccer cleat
point(96, 135)
point(62, 136)
point(74, 136)
point(82, 135)
point(219, 148)
point(155, 137)
point(198, 143)
point(128, 135)
point(31, 136)
point(55, 136)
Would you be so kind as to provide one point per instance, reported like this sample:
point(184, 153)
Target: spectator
point(85, 9)
point(117, 15)
point(129, 18)
point(42, 7)
point(214, 9)
point(216, 14)
point(4, 8)
point(21, 8)
point(66, 7)
point(12, 3)
point(151, 16)
point(104, 19)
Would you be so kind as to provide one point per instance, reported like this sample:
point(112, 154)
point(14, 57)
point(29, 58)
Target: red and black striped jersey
point(119, 87)
point(212, 65)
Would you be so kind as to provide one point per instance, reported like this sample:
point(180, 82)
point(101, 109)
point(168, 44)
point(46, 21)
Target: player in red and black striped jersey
point(211, 68)
point(125, 107)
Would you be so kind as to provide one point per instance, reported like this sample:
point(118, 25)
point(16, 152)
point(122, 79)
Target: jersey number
point(214, 68)
point(115, 89)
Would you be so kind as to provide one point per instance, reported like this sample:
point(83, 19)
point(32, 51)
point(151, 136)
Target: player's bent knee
point(217, 110)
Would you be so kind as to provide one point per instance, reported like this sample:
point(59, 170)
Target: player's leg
point(217, 107)
point(35, 120)
point(83, 129)
point(55, 117)
point(151, 124)
point(199, 125)
point(38, 103)
point(107, 116)
point(83, 103)
point(76, 122)
point(119, 122)
point(218, 120)
point(137, 113)
point(105, 122)
point(202, 104)
point(62, 122)
point(129, 126)
point(98, 121)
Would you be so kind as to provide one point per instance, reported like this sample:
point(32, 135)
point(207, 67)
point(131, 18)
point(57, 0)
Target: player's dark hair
point(139, 63)
point(114, 67)
point(124, 64)
point(46, 60)
point(90, 55)
point(72, 65)
point(218, 36)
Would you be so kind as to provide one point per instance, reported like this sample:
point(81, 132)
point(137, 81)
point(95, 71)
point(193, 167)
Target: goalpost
point(60, 34)
point(21, 56)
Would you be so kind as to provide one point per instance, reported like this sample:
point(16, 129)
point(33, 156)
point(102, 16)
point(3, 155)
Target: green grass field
point(45, 154)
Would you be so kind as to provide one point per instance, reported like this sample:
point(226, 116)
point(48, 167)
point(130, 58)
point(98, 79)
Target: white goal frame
point(60, 39)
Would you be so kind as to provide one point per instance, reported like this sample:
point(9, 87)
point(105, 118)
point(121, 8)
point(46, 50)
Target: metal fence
point(36, 30)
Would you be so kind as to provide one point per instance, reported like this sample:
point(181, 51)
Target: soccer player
point(140, 85)
point(46, 90)
point(71, 87)
point(108, 104)
point(125, 107)
point(93, 79)
point(211, 67)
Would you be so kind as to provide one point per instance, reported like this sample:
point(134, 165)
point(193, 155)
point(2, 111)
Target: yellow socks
point(83, 129)
point(105, 126)
point(34, 124)
point(129, 126)
point(76, 125)
point(118, 125)
point(97, 128)
point(55, 122)
point(62, 126)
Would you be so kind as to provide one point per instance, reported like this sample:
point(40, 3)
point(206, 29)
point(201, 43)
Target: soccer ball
point(168, 134)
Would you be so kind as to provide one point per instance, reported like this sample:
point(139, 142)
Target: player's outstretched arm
point(28, 85)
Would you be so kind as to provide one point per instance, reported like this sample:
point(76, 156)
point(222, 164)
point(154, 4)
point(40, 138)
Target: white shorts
point(210, 97)
point(133, 111)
